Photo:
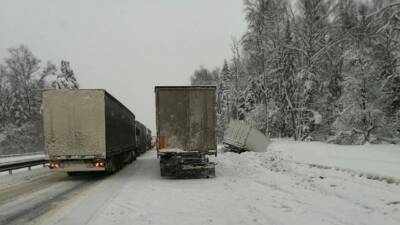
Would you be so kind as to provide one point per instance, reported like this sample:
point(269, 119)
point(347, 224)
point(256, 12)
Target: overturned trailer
point(185, 119)
point(87, 130)
point(240, 137)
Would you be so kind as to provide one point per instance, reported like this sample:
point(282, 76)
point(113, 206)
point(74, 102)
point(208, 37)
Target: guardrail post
point(29, 168)
point(10, 172)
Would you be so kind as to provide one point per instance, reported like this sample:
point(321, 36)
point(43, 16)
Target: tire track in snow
point(26, 201)
point(314, 182)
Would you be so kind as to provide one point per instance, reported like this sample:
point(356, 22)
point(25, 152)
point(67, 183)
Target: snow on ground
point(22, 175)
point(250, 188)
point(382, 159)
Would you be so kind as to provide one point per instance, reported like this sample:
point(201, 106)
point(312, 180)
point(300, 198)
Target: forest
point(23, 77)
point(313, 70)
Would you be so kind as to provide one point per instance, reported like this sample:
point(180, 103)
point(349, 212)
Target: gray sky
point(126, 46)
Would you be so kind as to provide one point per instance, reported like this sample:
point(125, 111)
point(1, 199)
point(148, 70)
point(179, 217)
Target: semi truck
point(149, 139)
point(240, 137)
point(87, 130)
point(141, 137)
point(185, 121)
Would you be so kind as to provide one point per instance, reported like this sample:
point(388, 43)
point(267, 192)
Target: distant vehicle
point(149, 139)
point(240, 137)
point(87, 130)
point(153, 141)
point(185, 119)
point(141, 138)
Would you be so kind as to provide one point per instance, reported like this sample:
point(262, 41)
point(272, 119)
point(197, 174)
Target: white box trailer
point(240, 137)
point(87, 130)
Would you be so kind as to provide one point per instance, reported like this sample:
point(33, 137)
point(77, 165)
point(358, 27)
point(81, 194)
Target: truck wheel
point(111, 166)
point(133, 155)
point(119, 162)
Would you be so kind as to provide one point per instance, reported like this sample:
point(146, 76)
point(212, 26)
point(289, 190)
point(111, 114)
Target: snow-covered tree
point(321, 69)
point(203, 76)
point(22, 79)
point(22, 67)
point(5, 97)
point(66, 79)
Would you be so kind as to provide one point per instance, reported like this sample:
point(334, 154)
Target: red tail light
point(100, 164)
point(54, 165)
point(161, 142)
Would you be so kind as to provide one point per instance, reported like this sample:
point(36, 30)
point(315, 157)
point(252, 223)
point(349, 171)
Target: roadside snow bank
point(373, 160)
point(247, 163)
point(250, 188)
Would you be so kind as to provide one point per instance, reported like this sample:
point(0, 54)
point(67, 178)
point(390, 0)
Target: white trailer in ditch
point(240, 137)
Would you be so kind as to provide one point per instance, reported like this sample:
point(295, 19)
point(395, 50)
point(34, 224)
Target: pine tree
point(203, 76)
point(325, 68)
point(224, 88)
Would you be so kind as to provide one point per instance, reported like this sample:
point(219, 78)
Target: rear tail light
point(100, 164)
point(54, 165)
point(161, 142)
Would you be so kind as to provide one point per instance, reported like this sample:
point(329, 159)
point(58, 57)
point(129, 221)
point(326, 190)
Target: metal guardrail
point(21, 164)
point(23, 154)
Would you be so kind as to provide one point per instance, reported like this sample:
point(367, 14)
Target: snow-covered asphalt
point(250, 188)
point(27, 195)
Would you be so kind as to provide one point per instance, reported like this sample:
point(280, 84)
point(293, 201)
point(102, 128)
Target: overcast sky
point(126, 46)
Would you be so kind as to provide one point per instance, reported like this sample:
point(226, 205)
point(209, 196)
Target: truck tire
point(111, 166)
point(131, 156)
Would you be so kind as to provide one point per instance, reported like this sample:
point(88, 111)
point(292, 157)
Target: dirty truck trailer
point(185, 120)
point(87, 130)
point(148, 139)
point(141, 138)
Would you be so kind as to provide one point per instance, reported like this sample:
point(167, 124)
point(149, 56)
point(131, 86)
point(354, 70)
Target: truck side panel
point(237, 133)
point(74, 123)
point(120, 127)
point(140, 137)
point(240, 136)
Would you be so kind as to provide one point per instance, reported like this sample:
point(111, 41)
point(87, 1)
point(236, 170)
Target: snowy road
point(28, 195)
point(250, 188)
